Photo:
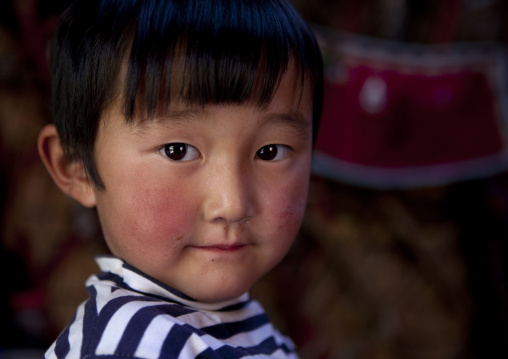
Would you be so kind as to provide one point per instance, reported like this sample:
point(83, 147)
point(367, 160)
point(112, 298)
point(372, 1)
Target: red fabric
point(418, 120)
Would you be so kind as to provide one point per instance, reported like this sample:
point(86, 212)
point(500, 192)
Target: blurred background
point(403, 251)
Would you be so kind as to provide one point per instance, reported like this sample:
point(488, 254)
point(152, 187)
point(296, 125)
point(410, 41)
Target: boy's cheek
point(151, 210)
point(292, 213)
point(151, 213)
point(288, 207)
point(167, 213)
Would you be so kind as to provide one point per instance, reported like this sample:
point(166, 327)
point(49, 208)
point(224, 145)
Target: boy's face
point(206, 200)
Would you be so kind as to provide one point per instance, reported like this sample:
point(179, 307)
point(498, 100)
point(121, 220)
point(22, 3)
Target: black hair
point(221, 51)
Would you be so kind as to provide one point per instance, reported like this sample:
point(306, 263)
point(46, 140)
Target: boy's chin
point(214, 290)
point(219, 293)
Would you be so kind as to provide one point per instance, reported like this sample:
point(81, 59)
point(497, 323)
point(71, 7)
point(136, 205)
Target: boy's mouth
point(222, 247)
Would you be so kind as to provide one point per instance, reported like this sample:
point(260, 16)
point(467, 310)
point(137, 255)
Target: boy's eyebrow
point(181, 116)
point(295, 120)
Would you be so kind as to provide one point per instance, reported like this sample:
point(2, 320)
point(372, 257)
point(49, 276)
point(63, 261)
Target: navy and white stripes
point(129, 315)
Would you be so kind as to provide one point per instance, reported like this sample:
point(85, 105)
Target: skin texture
point(211, 224)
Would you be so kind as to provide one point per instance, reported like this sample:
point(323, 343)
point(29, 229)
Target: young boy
point(189, 126)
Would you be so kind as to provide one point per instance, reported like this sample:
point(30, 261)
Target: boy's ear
point(69, 176)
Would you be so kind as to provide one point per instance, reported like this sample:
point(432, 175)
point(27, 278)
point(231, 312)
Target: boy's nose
point(228, 195)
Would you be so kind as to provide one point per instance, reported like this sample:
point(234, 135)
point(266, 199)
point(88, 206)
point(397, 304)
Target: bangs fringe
point(231, 53)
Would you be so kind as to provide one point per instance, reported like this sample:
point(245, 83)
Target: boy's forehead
point(193, 118)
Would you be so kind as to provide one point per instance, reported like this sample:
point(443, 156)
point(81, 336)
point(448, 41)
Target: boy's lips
point(222, 247)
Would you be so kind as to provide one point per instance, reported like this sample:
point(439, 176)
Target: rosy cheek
point(292, 213)
point(160, 215)
point(290, 209)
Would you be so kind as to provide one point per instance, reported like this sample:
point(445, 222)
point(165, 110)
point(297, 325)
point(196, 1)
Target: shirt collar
point(133, 279)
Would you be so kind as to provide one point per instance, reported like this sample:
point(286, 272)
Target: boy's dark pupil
point(267, 153)
point(176, 151)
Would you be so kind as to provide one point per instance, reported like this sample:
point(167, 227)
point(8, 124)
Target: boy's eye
point(180, 152)
point(272, 152)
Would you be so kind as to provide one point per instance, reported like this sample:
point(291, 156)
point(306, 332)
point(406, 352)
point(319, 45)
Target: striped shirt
point(130, 315)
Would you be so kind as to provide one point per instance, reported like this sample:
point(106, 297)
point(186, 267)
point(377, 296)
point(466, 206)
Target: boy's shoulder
point(116, 322)
point(119, 321)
